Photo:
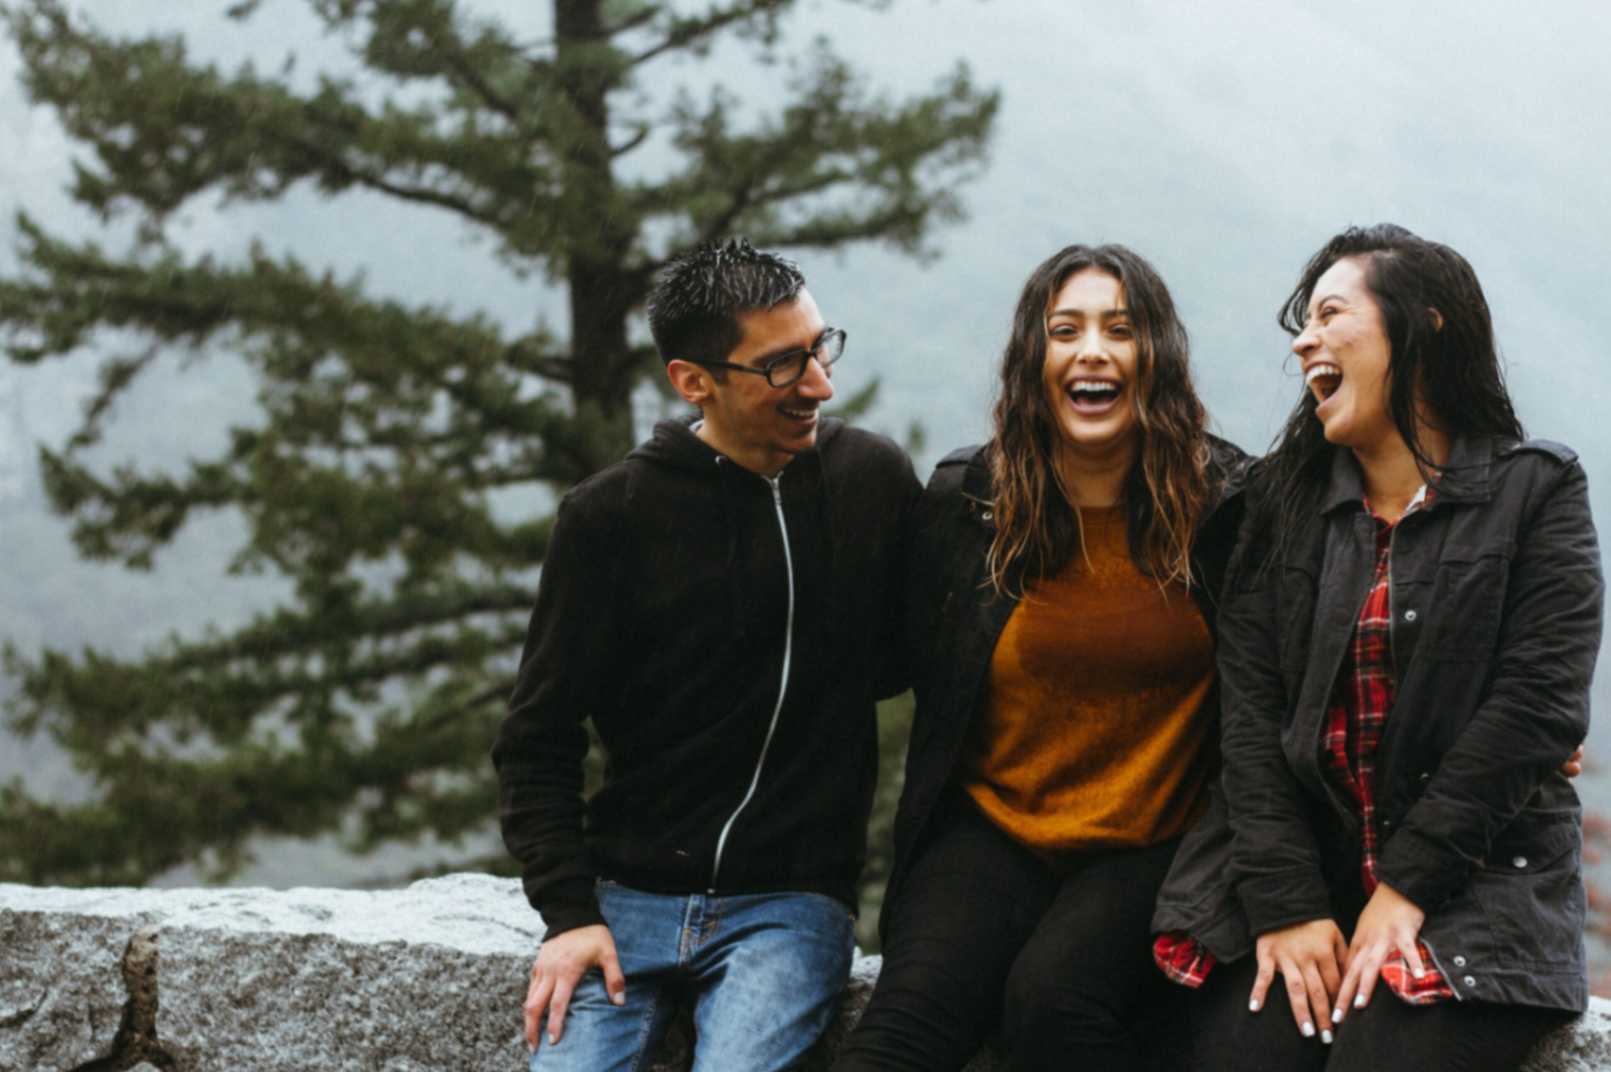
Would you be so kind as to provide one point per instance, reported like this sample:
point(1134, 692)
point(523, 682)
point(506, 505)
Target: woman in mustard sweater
point(1062, 597)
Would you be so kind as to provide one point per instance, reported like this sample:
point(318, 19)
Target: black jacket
point(670, 612)
point(956, 619)
point(1495, 597)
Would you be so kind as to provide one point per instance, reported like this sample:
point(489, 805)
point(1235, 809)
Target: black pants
point(1450, 1036)
point(986, 935)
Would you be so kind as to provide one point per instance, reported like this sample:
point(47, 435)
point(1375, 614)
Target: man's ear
point(1437, 319)
point(691, 381)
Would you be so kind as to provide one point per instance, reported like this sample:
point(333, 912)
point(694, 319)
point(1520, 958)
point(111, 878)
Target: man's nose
point(816, 383)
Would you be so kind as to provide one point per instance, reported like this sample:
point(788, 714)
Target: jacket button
point(1469, 981)
point(1459, 962)
point(1520, 861)
point(986, 515)
point(1410, 615)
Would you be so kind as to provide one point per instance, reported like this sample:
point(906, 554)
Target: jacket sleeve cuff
point(1283, 899)
point(1415, 867)
point(566, 905)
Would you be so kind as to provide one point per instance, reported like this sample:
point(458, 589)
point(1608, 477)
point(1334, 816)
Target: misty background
point(1224, 142)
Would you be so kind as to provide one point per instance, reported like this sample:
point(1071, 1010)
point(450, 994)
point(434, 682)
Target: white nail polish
point(1337, 1015)
point(1253, 1006)
point(1308, 1030)
point(1359, 1001)
point(1325, 1036)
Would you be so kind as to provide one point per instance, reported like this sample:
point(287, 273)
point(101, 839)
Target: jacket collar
point(1465, 476)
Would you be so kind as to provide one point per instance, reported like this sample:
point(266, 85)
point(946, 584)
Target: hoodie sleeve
point(896, 674)
point(541, 745)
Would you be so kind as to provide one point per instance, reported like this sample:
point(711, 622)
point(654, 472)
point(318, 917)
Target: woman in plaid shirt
point(1406, 645)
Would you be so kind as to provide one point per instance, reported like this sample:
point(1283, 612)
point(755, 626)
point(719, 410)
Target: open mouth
point(1093, 396)
point(803, 414)
point(1323, 379)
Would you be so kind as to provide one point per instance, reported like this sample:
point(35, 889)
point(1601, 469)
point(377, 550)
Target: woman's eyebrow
point(1107, 314)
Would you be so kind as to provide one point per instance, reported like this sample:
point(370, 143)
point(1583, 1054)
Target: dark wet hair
point(1453, 365)
point(1037, 528)
point(695, 301)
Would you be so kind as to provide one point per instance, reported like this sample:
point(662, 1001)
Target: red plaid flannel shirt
point(1360, 702)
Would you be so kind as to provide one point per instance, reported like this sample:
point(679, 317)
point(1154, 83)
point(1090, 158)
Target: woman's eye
point(1120, 331)
point(1063, 331)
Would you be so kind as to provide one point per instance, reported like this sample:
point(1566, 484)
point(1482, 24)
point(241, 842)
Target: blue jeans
point(764, 973)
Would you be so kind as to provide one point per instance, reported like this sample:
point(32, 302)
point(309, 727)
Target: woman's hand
point(1390, 921)
point(1309, 957)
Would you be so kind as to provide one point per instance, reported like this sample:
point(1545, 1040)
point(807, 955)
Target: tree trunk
point(602, 290)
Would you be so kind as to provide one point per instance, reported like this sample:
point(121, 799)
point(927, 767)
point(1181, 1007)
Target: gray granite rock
point(1583, 1046)
point(428, 977)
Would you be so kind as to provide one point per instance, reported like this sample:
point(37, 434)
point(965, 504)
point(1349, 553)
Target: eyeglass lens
point(827, 351)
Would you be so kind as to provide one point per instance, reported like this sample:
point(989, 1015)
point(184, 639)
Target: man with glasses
point(724, 605)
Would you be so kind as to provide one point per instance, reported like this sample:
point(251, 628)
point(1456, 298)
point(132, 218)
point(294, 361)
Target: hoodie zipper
point(783, 684)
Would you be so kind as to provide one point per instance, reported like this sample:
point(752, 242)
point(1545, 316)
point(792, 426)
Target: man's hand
point(1309, 957)
point(1574, 763)
point(561, 963)
point(1390, 921)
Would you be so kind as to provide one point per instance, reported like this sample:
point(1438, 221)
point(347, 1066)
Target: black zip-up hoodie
point(665, 614)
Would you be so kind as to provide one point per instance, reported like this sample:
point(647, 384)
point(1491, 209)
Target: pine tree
point(365, 703)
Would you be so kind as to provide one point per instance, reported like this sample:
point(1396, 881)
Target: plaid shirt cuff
point(1182, 959)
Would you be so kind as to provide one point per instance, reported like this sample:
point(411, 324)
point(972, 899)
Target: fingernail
point(1359, 1001)
point(617, 999)
point(1325, 1036)
point(1418, 972)
point(552, 1038)
point(1336, 1015)
point(1253, 1006)
point(1308, 1030)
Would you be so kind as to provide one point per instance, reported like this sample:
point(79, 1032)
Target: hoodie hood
point(675, 444)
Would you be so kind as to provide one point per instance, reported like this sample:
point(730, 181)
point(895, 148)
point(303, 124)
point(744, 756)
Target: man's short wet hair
point(695, 302)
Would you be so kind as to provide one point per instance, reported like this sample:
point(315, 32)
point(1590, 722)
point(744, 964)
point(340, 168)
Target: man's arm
point(539, 754)
point(896, 673)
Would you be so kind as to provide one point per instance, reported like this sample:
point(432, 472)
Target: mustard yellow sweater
point(1091, 734)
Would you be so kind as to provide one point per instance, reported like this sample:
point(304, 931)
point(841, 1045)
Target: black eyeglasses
point(785, 369)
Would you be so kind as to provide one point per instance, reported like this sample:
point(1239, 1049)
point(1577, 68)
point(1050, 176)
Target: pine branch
point(164, 130)
point(685, 33)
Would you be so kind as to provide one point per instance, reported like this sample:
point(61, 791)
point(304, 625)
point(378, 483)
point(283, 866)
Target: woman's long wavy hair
point(1037, 527)
point(1444, 362)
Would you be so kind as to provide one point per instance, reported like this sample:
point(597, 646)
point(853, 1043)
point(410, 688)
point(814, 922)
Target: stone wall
point(426, 978)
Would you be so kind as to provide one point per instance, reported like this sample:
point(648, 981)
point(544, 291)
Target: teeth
point(1317, 371)
point(1094, 387)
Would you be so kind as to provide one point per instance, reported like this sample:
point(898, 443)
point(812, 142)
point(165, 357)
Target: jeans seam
point(685, 943)
point(645, 1030)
